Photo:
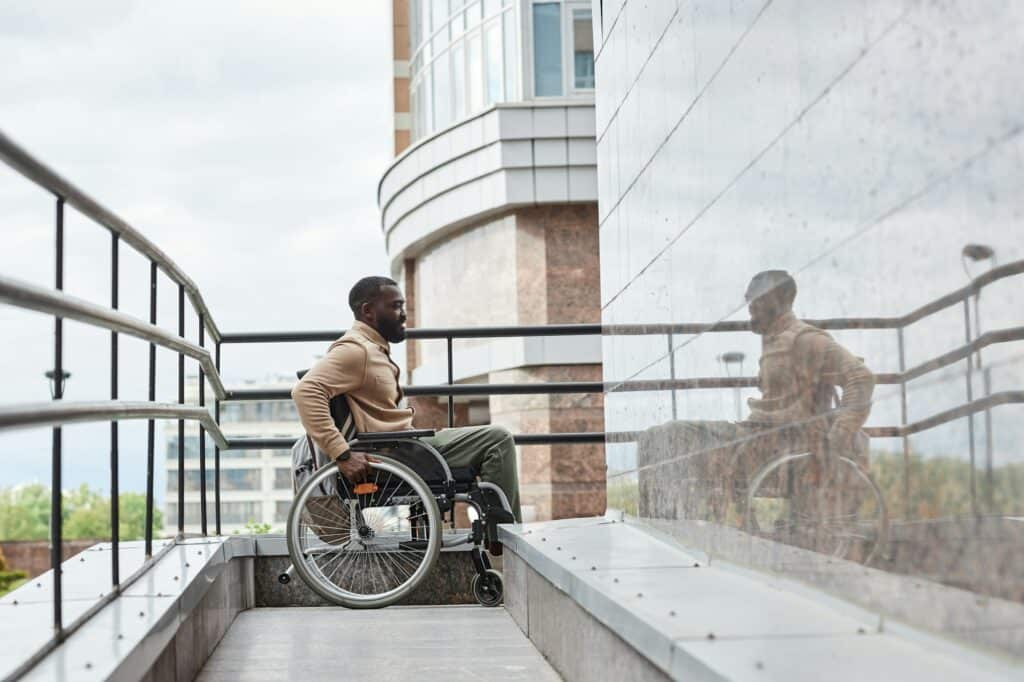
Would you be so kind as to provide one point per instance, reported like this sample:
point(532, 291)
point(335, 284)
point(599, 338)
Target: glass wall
point(464, 58)
point(812, 252)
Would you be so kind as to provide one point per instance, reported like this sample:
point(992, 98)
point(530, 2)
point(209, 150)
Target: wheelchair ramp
point(412, 642)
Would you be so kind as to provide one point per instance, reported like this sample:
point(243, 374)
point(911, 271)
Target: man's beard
point(392, 331)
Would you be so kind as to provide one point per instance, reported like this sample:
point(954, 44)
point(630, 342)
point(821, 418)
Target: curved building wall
point(490, 218)
point(872, 150)
point(508, 157)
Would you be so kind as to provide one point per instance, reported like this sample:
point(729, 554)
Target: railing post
point(181, 422)
point(216, 449)
point(151, 432)
point(56, 503)
point(989, 445)
point(903, 422)
point(202, 432)
point(115, 490)
point(970, 399)
point(672, 375)
point(451, 380)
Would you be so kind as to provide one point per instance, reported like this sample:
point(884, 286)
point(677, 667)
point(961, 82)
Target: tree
point(25, 514)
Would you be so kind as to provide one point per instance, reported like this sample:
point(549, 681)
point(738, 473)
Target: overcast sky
point(246, 139)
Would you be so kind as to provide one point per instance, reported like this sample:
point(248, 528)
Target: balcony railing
point(63, 306)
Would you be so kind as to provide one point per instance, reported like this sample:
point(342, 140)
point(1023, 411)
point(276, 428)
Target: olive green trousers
point(488, 450)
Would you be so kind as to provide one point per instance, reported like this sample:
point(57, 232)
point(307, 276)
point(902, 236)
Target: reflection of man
point(709, 463)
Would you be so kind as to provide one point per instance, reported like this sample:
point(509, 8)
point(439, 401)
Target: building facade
point(873, 151)
point(490, 218)
point(256, 485)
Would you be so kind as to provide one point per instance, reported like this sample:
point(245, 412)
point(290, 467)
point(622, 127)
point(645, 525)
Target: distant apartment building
point(489, 212)
point(255, 485)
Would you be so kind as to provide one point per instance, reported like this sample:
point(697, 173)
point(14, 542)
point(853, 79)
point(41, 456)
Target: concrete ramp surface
point(416, 643)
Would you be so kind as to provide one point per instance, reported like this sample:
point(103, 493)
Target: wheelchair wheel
point(488, 588)
point(364, 546)
point(846, 518)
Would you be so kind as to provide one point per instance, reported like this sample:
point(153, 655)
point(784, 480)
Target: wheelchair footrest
point(413, 545)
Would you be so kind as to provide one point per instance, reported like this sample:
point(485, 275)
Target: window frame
point(569, 89)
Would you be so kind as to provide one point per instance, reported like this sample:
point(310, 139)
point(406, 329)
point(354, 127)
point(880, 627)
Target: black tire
point(489, 588)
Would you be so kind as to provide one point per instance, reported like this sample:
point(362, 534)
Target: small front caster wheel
point(488, 588)
point(284, 578)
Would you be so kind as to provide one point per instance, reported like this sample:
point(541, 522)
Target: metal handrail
point(58, 413)
point(40, 299)
point(562, 387)
point(20, 160)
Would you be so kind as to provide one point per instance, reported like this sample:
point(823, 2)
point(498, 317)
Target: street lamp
point(64, 376)
point(728, 360)
point(977, 253)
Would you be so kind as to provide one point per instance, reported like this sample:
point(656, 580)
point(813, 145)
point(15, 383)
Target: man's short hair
point(777, 282)
point(365, 290)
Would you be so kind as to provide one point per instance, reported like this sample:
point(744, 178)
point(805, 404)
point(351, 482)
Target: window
point(492, 37)
point(459, 80)
point(547, 49)
point(511, 56)
point(240, 479)
point(281, 510)
point(582, 50)
point(442, 92)
point(464, 58)
point(283, 479)
point(476, 76)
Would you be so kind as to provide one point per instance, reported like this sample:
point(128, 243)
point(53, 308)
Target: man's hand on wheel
point(356, 468)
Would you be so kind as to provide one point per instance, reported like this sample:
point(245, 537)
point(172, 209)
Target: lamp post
point(977, 253)
point(728, 360)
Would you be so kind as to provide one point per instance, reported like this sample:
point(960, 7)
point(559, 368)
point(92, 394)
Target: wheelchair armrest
point(385, 436)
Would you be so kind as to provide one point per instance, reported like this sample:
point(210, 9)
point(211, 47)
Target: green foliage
point(25, 514)
point(254, 528)
point(9, 580)
point(624, 495)
point(941, 486)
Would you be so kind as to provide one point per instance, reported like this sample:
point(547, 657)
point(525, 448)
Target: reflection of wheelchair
point(843, 514)
point(370, 545)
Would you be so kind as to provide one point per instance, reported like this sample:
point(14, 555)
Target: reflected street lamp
point(64, 376)
point(977, 253)
point(728, 360)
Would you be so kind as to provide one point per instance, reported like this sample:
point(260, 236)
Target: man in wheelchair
point(705, 469)
point(351, 406)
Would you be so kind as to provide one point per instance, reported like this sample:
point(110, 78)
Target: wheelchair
point(369, 545)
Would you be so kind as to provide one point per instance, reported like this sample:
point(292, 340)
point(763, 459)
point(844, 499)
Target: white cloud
point(244, 138)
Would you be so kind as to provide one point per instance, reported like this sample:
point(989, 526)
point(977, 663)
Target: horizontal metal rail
point(285, 442)
point(835, 323)
point(979, 405)
point(20, 160)
point(421, 333)
point(964, 410)
point(40, 299)
point(25, 415)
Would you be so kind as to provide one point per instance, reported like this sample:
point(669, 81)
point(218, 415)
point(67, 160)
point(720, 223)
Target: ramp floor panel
point(413, 642)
